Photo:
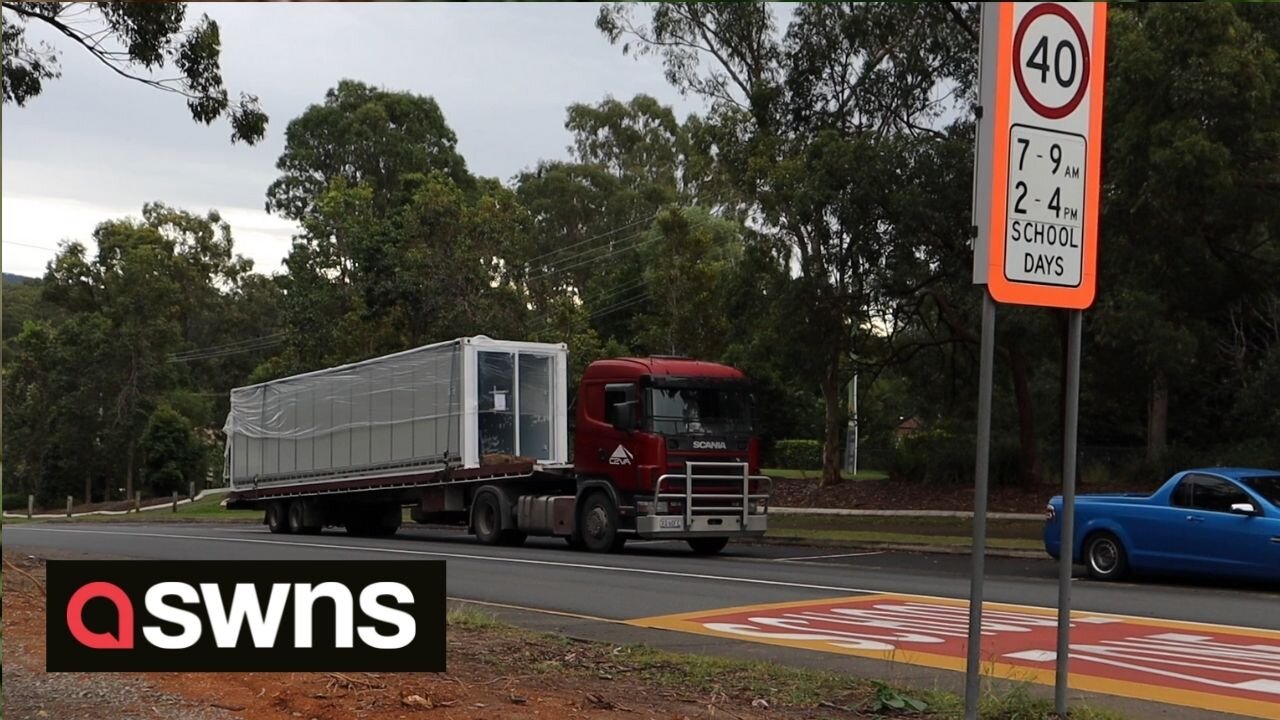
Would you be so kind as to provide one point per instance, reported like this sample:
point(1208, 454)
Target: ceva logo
point(621, 456)
point(213, 616)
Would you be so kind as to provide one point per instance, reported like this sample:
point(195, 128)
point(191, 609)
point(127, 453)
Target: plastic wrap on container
point(398, 410)
point(452, 403)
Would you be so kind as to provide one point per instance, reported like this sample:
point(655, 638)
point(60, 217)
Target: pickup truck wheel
point(599, 524)
point(278, 517)
point(1105, 557)
point(707, 546)
point(486, 519)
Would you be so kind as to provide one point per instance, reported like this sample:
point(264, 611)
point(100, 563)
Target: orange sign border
point(1002, 289)
point(688, 623)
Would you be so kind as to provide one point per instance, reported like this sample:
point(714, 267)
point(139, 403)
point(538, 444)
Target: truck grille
point(713, 488)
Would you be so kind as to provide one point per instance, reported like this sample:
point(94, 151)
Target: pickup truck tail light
point(1049, 513)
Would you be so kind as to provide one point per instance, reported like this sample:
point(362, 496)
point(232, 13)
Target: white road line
point(588, 566)
point(829, 557)
point(465, 556)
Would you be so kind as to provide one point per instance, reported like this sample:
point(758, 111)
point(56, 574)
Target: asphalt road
point(662, 578)
point(583, 591)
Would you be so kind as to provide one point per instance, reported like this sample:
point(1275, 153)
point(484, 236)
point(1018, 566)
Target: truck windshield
point(1268, 487)
point(686, 410)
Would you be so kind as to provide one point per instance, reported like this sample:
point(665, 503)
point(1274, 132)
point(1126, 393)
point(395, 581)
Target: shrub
point(939, 456)
point(798, 454)
point(171, 452)
point(14, 501)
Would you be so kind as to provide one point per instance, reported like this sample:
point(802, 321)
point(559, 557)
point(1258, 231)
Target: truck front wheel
point(598, 524)
point(278, 517)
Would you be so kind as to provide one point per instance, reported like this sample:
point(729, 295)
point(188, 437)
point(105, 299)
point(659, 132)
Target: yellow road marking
point(688, 622)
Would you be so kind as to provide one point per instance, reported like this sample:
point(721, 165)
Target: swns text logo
point(141, 616)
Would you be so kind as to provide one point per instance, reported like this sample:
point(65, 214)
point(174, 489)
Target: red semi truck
point(474, 432)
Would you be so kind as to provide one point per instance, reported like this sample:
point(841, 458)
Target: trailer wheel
point(707, 546)
point(599, 524)
point(278, 517)
point(298, 518)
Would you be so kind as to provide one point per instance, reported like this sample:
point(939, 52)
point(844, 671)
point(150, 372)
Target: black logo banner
point(245, 616)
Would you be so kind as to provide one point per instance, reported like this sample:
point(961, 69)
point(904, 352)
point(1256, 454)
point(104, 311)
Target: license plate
point(672, 523)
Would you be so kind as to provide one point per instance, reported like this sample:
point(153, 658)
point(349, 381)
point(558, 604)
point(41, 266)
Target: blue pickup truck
point(1213, 521)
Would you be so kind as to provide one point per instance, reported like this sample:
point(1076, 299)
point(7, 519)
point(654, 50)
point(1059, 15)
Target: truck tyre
point(599, 524)
point(1105, 557)
point(297, 520)
point(278, 517)
point(707, 546)
point(486, 519)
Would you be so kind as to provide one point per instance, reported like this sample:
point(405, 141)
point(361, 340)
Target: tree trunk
point(1029, 452)
point(1158, 416)
point(835, 424)
point(128, 473)
point(88, 486)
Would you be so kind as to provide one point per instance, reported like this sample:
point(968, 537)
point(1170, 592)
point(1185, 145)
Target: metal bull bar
point(695, 470)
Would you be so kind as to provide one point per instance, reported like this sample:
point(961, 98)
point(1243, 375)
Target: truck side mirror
point(624, 415)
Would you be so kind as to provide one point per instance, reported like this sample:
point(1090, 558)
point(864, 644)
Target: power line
point(588, 261)
point(592, 239)
point(634, 300)
point(246, 341)
point(260, 343)
point(33, 247)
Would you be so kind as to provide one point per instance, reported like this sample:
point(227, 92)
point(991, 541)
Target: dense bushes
point(798, 454)
point(14, 501)
point(940, 456)
point(171, 451)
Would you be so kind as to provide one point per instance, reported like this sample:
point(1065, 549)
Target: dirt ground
point(495, 673)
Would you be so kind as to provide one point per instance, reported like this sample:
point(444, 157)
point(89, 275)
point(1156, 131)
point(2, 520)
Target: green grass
point(856, 537)
point(945, 532)
point(815, 474)
point(471, 617)
point(206, 509)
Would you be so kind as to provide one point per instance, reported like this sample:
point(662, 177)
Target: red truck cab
point(669, 440)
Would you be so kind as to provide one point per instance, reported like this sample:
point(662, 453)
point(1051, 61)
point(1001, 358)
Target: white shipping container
point(447, 404)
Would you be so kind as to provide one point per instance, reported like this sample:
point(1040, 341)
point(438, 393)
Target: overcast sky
point(94, 146)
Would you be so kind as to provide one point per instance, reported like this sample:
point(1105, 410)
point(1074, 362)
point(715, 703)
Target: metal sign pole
point(1068, 519)
point(972, 685)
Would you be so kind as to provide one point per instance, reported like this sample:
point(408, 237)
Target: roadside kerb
point(165, 504)
point(958, 514)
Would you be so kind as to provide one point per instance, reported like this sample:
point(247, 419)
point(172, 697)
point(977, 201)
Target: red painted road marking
point(1206, 666)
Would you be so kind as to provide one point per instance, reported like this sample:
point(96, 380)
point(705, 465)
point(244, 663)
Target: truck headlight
point(1049, 513)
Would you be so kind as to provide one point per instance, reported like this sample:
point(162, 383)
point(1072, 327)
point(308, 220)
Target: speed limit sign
point(1039, 151)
